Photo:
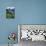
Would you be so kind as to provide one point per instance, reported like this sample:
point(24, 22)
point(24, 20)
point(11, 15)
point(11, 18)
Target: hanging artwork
point(32, 32)
point(12, 38)
point(10, 12)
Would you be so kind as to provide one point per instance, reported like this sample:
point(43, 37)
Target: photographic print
point(10, 12)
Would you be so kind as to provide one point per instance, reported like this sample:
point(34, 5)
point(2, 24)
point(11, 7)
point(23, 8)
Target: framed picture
point(33, 32)
point(10, 12)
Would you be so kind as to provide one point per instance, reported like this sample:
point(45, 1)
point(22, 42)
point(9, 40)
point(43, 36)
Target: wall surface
point(26, 12)
point(7, 25)
point(31, 11)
